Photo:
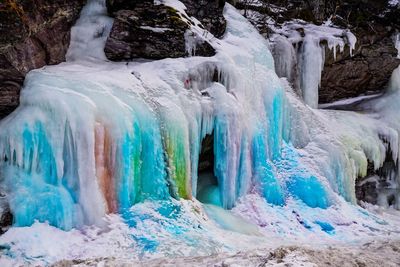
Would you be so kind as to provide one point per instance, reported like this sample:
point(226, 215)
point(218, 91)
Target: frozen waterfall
point(91, 139)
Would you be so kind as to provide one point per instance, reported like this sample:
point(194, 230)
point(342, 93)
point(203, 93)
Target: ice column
point(312, 59)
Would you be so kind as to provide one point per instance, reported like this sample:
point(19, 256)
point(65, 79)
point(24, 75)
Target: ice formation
point(386, 110)
point(100, 139)
point(301, 47)
point(90, 32)
point(93, 138)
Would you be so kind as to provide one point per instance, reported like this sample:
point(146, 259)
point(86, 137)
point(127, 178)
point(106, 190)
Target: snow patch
point(155, 29)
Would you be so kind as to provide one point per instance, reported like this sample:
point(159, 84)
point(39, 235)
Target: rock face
point(32, 34)
point(142, 29)
point(6, 217)
point(210, 14)
point(367, 72)
point(373, 22)
point(375, 57)
point(115, 5)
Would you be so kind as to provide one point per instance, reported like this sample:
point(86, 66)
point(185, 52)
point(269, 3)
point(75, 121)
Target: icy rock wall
point(383, 186)
point(387, 110)
point(32, 34)
point(299, 52)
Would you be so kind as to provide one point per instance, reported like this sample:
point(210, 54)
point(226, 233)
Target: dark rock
point(344, 13)
point(366, 73)
point(9, 97)
point(377, 186)
point(206, 157)
point(150, 31)
point(367, 187)
point(10, 85)
point(209, 13)
point(116, 5)
point(6, 217)
point(6, 220)
point(32, 34)
point(132, 35)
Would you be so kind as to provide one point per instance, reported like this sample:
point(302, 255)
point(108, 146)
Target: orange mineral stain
point(104, 169)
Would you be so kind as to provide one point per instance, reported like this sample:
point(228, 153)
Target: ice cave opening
point(208, 190)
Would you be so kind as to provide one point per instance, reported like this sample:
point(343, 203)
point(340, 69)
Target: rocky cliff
point(145, 29)
point(374, 23)
point(32, 34)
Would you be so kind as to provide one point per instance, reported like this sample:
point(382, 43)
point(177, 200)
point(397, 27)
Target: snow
point(155, 29)
point(179, 6)
point(348, 101)
point(186, 234)
point(374, 253)
point(196, 34)
point(100, 159)
point(394, 3)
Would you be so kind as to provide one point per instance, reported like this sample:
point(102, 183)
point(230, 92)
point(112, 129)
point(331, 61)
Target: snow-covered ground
point(186, 233)
point(373, 253)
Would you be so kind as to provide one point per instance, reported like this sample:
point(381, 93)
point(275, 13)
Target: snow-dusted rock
point(147, 30)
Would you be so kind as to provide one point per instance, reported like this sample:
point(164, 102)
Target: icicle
point(351, 40)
